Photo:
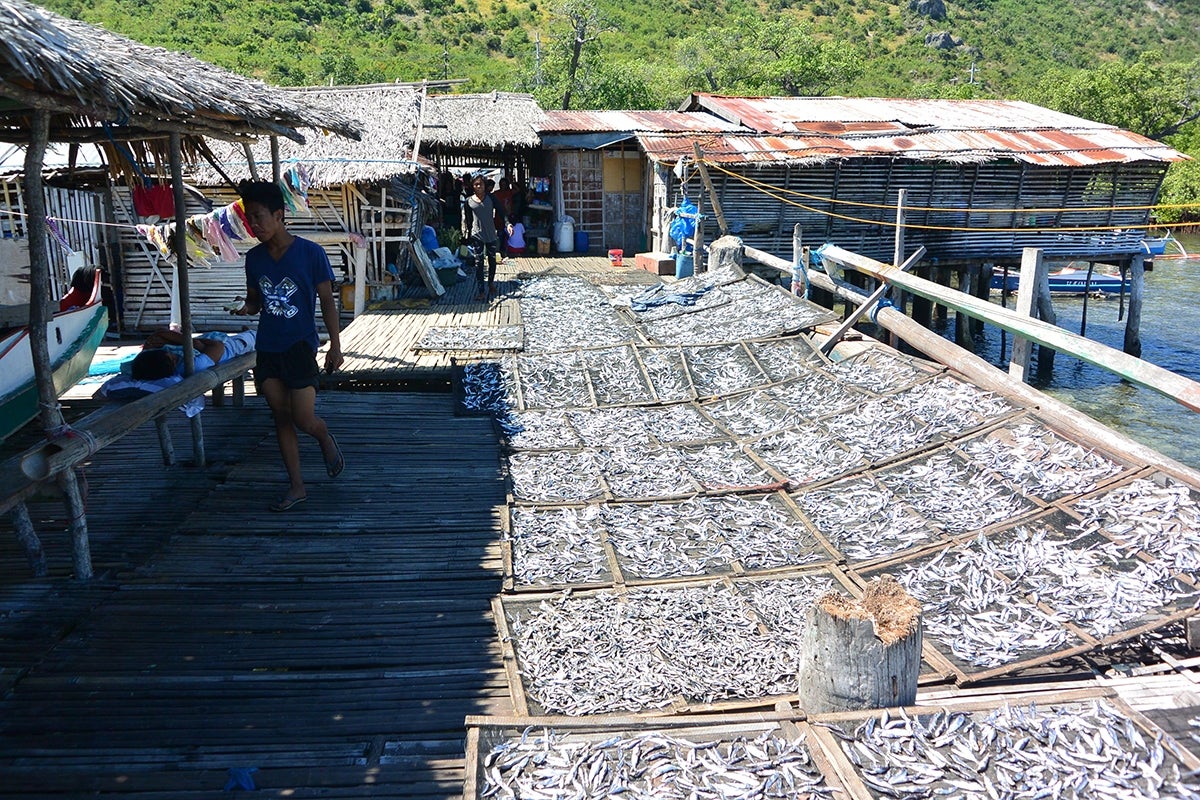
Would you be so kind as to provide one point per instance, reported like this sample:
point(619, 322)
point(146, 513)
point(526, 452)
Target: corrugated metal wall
point(961, 194)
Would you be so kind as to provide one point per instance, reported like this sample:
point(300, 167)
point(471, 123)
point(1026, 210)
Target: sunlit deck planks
point(378, 345)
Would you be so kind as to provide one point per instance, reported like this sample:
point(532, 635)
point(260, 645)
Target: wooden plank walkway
point(336, 648)
point(378, 345)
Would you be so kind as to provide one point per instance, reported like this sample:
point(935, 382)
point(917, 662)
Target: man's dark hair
point(265, 193)
point(152, 365)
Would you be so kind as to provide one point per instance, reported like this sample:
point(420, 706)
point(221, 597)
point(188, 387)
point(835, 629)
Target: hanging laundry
point(154, 201)
point(216, 237)
point(156, 238)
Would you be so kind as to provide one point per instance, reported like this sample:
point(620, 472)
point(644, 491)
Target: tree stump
point(858, 654)
point(725, 251)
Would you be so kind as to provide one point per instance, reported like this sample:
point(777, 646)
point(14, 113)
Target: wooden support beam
point(1133, 323)
point(1177, 387)
point(799, 264)
point(28, 539)
point(871, 302)
point(712, 192)
point(1031, 268)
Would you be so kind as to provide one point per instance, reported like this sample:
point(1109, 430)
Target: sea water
point(1170, 334)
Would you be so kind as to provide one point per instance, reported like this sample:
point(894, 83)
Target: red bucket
point(616, 257)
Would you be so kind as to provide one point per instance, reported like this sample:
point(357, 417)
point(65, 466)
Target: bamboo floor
point(378, 345)
point(335, 648)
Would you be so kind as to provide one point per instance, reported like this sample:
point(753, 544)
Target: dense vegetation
point(1134, 63)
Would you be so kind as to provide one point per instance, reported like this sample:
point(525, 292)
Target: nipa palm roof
point(97, 84)
point(819, 129)
point(390, 114)
point(494, 120)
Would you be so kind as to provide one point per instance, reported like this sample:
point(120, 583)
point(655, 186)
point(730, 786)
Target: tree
point(753, 55)
point(1148, 96)
point(587, 23)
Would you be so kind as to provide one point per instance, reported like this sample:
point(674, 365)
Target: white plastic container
point(564, 235)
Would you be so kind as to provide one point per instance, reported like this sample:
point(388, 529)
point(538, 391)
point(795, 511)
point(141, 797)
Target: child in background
point(516, 237)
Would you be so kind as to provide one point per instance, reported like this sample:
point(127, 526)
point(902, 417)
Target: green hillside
point(1133, 63)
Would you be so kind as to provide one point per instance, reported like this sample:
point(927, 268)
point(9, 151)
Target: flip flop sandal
point(284, 503)
point(335, 467)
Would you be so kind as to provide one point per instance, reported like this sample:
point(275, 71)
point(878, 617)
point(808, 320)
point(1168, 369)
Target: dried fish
point(547, 764)
point(562, 313)
point(1039, 462)
point(863, 520)
point(1161, 518)
point(557, 546)
point(541, 430)
point(1083, 750)
point(473, 338)
point(879, 371)
point(554, 380)
point(722, 369)
point(953, 495)
point(782, 603)
point(807, 454)
point(752, 413)
point(974, 613)
point(722, 466)
point(667, 373)
point(604, 652)
point(616, 376)
point(557, 476)
point(883, 428)
point(786, 358)
point(816, 394)
point(644, 473)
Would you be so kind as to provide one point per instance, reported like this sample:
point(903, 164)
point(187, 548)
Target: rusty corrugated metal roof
point(814, 129)
point(633, 122)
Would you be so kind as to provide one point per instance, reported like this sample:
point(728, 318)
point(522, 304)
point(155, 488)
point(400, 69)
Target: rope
point(764, 187)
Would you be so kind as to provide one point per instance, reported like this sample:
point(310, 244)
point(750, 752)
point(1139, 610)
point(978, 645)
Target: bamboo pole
point(871, 301)
point(40, 300)
point(29, 541)
point(1151, 376)
point(712, 192)
point(182, 284)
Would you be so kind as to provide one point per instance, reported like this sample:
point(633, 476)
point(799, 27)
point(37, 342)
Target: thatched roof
point(87, 76)
point(390, 113)
point(494, 120)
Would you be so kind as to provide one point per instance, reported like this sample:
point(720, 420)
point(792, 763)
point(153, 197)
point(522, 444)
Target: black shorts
point(296, 367)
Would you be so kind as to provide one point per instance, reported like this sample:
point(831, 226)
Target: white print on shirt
point(277, 298)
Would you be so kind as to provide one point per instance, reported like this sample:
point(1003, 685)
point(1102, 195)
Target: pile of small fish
point(650, 765)
point(722, 369)
point(557, 546)
point(667, 372)
point(953, 406)
point(487, 387)
point(644, 473)
point(642, 649)
point(553, 380)
point(473, 337)
point(562, 313)
point(642, 426)
point(755, 311)
point(1160, 519)
point(541, 430)
point(807, 454)
point(786, 358)
point(816, 394)
point(883, 428)
point(879, 372)
point(752, 413)
point(556, 476)
point(616, 376)
point(1039, 462)
point(1084, 580)
point(863, 519)
point(977, 614)
point(725, 466)
point(953, 495)
point(1078, 751)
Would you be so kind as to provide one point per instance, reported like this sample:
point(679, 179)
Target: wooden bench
point(22, 475)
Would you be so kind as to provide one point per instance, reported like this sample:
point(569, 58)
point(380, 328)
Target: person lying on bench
point(162, 354)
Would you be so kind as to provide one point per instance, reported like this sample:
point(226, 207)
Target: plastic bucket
point(616, 257)
point(684, 265)
point(581, 241)
point(564, 235)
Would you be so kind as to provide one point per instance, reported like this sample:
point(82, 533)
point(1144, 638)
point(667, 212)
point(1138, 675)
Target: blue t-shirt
point(289, 293)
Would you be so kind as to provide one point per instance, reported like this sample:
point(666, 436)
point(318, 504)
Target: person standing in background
point(285, 276)
point(479, 232)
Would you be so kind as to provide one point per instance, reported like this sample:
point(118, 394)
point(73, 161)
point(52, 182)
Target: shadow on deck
point(335, 648)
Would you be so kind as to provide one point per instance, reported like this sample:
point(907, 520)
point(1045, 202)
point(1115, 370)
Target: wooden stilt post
point(29, 541)
point(922, 309)
point(276, 169)
point(1045, 305)
point(857, 654)
point(1031, 267)
point(185, 297)
point(799, 265)
point(81, 551)
point(164, 440)
point(250, 161)
point(1133, 324)
point(982, 288)
point(941, 275)
point(962, 326)
point(1087, 291)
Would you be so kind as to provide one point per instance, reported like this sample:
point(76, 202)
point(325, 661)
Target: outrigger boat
point(74, 333)
point(1067, 280)
point(1158, 246)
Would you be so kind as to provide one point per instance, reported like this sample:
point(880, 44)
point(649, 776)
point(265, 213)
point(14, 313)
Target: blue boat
point(1067, 280)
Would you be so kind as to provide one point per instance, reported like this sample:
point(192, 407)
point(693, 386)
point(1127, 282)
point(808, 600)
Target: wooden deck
point(378, 345)
point(336, 648)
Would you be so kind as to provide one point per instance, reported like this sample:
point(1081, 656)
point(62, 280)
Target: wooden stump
point(724, 251)
point(858, 654)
